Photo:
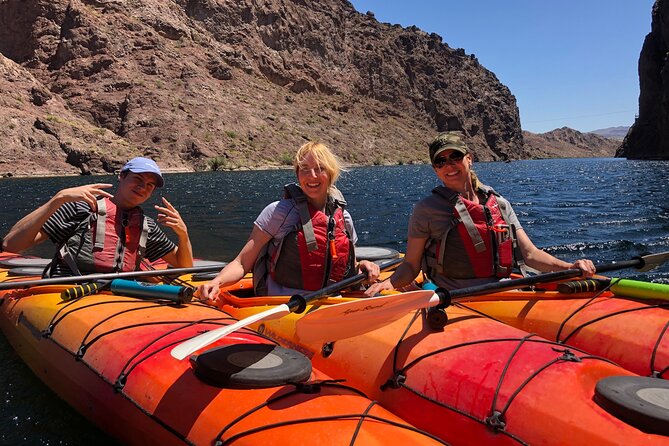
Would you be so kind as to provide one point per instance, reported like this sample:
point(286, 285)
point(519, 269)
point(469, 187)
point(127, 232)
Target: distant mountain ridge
point(618, 132)
point(569, 143)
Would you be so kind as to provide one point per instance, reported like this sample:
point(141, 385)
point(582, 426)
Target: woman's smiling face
point(313, 179)
point(451, 171)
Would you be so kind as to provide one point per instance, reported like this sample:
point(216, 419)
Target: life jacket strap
point(119, 253)
point(100, 225)
point(336, 197)
point(143, 238)
point(474, 234)
point(441, 258)
point(297, 195)
point(66, 256)
point(517, 253)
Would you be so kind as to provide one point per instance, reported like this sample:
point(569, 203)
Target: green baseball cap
point(447, 141)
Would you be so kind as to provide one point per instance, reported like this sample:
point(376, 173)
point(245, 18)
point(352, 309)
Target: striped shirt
point(62, 224)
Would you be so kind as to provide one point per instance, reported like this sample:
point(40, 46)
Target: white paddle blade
point(652, 261)
point(190, 346)
point(349, 319)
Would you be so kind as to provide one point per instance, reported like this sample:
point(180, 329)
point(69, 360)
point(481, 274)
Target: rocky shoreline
point(84, 86)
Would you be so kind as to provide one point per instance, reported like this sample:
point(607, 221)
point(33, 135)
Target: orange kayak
point(633, 333)
point(476, 381)
point(108, 357)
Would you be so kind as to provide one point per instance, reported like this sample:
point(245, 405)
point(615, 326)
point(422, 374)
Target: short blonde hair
point(323, 156)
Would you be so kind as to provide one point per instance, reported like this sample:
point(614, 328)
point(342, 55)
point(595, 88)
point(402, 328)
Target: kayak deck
point(476, 381)
point(632, 333)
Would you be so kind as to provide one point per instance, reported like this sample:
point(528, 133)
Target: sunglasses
point(453, 158)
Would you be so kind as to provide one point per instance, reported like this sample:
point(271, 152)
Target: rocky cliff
point(649, 136)
point(87, 83)
point(569, 143)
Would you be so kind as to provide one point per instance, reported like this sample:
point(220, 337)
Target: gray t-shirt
point(430, 219)
point(277, 220)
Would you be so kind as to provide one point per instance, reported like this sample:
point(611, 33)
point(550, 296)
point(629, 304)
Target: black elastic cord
point(588, 302)
point(351, 416)
point(660, 373)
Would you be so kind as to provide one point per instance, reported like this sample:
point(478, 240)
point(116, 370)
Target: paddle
point(108, 276)
point(142, 290)
point(635, 289)
point(353, 318)
point(84, 290)
point(296, 304)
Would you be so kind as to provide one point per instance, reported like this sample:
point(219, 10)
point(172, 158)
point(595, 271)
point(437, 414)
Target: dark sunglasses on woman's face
point(453, 158)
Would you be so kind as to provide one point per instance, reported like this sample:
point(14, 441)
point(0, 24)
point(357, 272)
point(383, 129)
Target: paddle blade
point(186, 348)
point(652, 261)
point(349, 319)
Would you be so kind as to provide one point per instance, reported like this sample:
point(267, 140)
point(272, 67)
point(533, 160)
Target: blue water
point(602, 209)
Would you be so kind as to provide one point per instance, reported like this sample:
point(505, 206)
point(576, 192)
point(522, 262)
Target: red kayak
point(628, 324)
point(473, 381)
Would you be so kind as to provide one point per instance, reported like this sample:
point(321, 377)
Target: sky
point(568, 63)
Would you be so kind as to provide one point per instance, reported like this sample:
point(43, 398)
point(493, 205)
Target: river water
point(602, 209)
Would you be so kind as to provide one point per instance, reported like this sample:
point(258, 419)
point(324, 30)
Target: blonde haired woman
point(302, 242)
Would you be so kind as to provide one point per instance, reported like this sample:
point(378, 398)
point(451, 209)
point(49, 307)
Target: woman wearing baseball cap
point(465, 233)
point(97, 232)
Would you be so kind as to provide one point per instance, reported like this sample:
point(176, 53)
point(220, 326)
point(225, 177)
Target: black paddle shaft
point(298, 303)
point(476, 290)
point(107, 276)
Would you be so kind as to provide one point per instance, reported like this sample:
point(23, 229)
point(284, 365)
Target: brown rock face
point(87, 83)
point(649, 136)
point(569, 143)
point(41, 136)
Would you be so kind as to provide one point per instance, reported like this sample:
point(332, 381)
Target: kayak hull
point(632, 333)
point(476, 381)
point(108, 357)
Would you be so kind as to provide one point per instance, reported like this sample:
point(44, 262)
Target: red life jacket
point(318, 252)
point(109, 240)
point(482, 231)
